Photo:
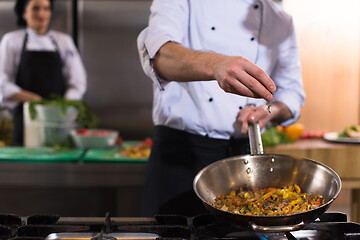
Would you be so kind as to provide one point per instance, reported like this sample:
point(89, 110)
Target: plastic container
point(52, 134)
point(31, 129)
point(56, 114)
point(94, 138)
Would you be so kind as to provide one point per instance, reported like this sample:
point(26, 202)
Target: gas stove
point(330, 225)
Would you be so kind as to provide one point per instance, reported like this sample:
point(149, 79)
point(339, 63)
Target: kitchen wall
point(119, 91)
point(7, 17)
point(329, 41)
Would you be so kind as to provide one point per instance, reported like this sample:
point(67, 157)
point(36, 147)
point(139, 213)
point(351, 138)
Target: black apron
point(39, 72)
point(176, 157)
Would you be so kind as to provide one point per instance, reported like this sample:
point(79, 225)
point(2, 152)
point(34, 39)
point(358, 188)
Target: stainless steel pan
point(261, 171)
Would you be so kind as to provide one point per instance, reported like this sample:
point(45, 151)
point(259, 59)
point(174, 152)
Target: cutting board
point(112, 155)
point(39, 154)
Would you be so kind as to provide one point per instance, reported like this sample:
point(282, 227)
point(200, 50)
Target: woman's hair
point(19, 9)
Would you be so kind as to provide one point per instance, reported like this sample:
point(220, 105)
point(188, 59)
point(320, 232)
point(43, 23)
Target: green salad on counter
point(272, 137)
point(352, 131)
point(85, 117)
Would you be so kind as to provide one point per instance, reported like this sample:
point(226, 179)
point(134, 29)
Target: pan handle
point(256, 146)
point(273, 229)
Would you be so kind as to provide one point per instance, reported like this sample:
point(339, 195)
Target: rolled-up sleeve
point(7, 70)
point(167, 23)
point(74, 71)
point(288, 78)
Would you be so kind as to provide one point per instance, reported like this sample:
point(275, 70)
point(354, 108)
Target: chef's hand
point(25, 96)
point(234, 74)
point(276, 111)
point(239, 76)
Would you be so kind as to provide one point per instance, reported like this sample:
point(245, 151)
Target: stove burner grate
point(164, 227)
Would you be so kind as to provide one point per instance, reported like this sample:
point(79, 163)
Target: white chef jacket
point(254, 29)
point(10, 54)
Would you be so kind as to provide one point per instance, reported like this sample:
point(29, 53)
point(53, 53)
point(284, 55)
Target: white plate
point(333, 137)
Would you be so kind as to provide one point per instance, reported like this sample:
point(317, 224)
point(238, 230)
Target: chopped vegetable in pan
point(268, 201)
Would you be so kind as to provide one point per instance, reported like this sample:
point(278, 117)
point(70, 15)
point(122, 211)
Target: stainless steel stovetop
point(331, 225)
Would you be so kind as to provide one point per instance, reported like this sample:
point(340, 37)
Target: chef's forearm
point(25, 96)
point(279, 112)
point(174, 62)
point(234, 74)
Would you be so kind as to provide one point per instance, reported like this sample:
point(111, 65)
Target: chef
point(36, 62)
point(216, 66)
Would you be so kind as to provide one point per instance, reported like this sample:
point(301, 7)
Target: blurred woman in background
point(37, 62)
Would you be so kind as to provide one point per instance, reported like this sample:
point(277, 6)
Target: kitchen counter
point(117, 186)
point(71, 188)
point(344, 159)
point(70, 183)
point(77, 174)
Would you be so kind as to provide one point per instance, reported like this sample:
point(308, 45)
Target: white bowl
point(94, 139)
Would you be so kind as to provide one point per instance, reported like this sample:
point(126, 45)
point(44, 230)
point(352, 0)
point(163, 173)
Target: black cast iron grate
point(171, 227)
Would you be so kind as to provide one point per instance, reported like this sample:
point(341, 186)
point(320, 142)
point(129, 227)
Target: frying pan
point(261, 171)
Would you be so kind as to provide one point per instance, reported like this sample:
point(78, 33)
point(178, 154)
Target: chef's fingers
point(245, 85)
point(257, 89)
point(32, 96)
point(243, 117)
point(245, 78)
point(253, 114)
point(237, 87)
point(25, 96)
point(258, 75)
point(258, 114)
